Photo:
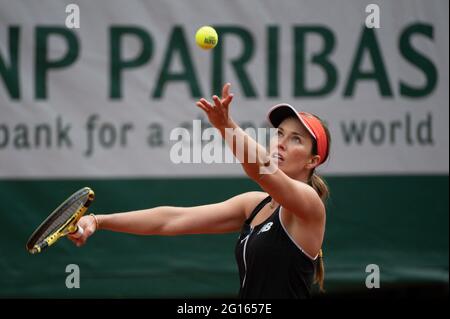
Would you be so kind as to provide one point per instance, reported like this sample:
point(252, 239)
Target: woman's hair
point(320, 272)
point(321, 187)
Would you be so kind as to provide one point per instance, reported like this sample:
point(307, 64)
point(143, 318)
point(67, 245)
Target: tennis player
point(282, 227)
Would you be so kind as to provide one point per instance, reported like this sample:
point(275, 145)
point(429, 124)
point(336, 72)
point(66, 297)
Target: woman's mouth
point(278, 156)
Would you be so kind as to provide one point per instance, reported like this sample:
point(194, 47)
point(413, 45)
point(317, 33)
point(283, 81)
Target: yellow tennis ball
point(206, 37)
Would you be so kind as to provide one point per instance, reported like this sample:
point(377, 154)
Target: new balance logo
point(265, 228)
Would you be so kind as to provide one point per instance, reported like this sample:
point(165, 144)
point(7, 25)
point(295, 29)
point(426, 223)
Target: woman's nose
point(281, 144)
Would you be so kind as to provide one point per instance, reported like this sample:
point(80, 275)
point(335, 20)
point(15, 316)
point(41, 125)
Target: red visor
point(279, 112)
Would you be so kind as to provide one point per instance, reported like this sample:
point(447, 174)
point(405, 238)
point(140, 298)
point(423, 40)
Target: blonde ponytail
point(320, 186)
point(320, 272)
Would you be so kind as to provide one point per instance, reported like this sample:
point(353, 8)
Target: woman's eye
point(296, 139)
point(279, 133)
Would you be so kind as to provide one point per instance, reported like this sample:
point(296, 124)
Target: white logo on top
point(265, 228)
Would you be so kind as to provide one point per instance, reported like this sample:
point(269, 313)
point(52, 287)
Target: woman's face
point(293, 149)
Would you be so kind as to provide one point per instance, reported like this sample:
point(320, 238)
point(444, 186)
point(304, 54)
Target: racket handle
point(78, 233)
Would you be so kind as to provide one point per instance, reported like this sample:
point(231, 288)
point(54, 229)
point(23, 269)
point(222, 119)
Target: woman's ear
point(313, 162)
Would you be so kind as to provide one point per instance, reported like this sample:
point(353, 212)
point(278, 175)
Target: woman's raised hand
point(218, 113)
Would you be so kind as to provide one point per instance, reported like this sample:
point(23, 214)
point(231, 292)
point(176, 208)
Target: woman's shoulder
point(252, 199)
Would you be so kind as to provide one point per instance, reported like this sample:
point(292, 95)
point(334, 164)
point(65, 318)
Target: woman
point(282, 228)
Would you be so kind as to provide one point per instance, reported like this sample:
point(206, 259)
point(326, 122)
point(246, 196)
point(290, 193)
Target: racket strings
point(62, 218)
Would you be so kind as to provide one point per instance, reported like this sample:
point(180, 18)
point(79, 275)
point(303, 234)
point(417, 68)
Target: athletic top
point(271, 264)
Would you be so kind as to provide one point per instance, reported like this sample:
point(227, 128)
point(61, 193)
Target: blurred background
point(93, 102)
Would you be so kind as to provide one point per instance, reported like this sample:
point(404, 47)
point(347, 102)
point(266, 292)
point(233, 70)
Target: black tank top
point(270, 264)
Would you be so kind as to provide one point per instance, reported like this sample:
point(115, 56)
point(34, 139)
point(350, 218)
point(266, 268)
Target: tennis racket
point(62, 221)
